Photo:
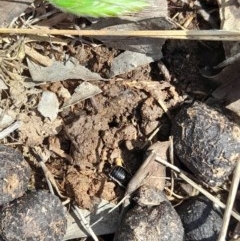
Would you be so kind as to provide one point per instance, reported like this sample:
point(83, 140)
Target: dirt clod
point(150, 114)
point(206, 142)
point(35, 216)
point(101, 138)
point(127, 114)
point(200, 220)
point(93, 133)
point(14, 174)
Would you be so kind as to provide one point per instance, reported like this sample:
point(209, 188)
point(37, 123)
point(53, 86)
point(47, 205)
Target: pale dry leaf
point(3, 86)
point(156, 9)
point(82, 92)
point(105, 226)
point(229, 14)
point(60, 71)
point(235, 108)
point(128, 61)
point(230, 20)
point(152, 47)
point(153, 17)
point(9, 10)
point(7, 117)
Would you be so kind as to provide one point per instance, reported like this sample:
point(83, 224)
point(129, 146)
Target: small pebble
point(49, 105)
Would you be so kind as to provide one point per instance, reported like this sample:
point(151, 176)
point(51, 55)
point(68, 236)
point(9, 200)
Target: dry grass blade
point(112, 209)
point(84, 222)
point(230, 202)
point(216, 35)
point(48, 175)
point(50, 180)
point(198, 187)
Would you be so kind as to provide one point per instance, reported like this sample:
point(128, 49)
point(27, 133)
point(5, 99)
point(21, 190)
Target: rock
point(200, 220)
point(206, 142)
point(153, 218)
point(49, 105)
point(14, 174)
point(37, 216)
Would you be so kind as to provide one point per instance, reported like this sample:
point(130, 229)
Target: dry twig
point(171, 156)
point(214, 35)
point(195, 185)
point(48, 175)
point(230, 202)
point(10, 129)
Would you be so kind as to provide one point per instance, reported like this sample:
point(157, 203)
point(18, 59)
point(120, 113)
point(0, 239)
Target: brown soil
point(116, 128)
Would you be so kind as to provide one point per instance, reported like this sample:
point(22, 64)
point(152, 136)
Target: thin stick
point(171, 156)
point(46, 173)
point(51, 180)
point(228, 61)
point(140, 175)
point(230, 202)
point(10, 129)
point(215, 35)
point(195, 185)
point(164, 107)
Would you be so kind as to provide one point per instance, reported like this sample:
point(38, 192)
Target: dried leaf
point(128, 61)
point(3, 86)
point(106, 226)
point(60, 71)
point(6, 118)
point(11, 9)
point(82, 92)
point(228, 91)
point(229, 14)
point(149, 46)
point(230, 20)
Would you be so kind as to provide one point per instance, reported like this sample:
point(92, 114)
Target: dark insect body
point(120, 175)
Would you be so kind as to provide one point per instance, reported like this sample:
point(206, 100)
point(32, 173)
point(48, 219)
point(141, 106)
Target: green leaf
point(100, 8)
